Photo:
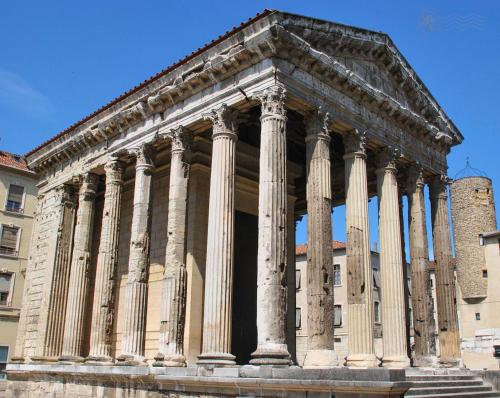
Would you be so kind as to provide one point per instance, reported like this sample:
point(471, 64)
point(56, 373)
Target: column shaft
point(74, 327)
point(219, 268)
point(320, 322)
point(136, 290)
point(272, 239)
point(423, 327)
point(104, 291)
point(173, 300)
point(359, 270)
point(449, 339)
point(51, 342)
point(391, 265)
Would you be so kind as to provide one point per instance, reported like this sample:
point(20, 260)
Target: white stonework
point(157, 249)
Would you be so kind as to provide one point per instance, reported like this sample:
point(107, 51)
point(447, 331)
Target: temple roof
point(321, 42)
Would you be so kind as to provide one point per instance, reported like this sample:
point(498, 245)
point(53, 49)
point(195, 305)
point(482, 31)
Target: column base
point(175, 360)
point(400, 362)
point(449, 363)
point(321, 359)
point(41, 358)
point(271, 354)
point(131, 360)
point(362, 361)
point(17, 359)
point(70, 359)
point(424, 362)
point(216, 358)
point(99, 360)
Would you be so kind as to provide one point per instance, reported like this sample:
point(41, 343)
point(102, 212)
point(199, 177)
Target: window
point(297, 279)
point(8, 240)
point(5, 288)
point(337, 315)
point(298, 318)
point(4, 353)
point(377, 311)
point(478, 316)
point(337, 277)
point(15, 199)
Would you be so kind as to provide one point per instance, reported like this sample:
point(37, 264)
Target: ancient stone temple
point(162, 260)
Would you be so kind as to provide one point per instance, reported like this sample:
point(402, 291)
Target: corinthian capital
point(272, 100)
point(144, 156)
point(439, 186)
point(416, 176)
point(88, 184)
point(181, 139)
point(114, 170)
point(355, 143)
point(387, 158)
point(224, 120)
point(317, 124)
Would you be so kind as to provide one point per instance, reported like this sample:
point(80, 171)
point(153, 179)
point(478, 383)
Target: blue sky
point(62, 60)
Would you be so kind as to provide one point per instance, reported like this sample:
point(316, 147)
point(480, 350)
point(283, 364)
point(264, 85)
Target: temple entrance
point(244, 336)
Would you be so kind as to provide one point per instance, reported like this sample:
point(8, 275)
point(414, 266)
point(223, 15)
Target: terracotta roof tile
point(13, 161)
point(302, 249)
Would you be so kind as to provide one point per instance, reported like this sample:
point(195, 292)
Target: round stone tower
point(473, 213)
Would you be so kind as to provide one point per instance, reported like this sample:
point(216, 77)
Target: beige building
point(17, 207)
point(165, 222)
point(341, 333)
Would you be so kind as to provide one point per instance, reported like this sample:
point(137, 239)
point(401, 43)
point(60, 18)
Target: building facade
point(165, 221)
point(18, 193)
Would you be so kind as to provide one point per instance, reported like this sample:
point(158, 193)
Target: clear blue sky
point(60, 60)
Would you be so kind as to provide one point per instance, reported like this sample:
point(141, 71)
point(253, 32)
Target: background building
point(17, 207)
point(477, 252)
point(340, 299)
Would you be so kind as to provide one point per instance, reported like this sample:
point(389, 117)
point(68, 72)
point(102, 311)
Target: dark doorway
point(244, 340)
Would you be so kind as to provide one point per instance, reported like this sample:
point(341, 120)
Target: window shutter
point(15, 198)
point(9, 238)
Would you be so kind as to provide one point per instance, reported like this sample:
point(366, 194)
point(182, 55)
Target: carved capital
point(355, 143)
point(65, 194)
point(438, 186)
point(272, 101)
point(181, 139)
point(416, 179)
point(88, 185)
point(387, 159)
point(317, 125)
point(114, 170)
point(224, 120)
point(144, 156)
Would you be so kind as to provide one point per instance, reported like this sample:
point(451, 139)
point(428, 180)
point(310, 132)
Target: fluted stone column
point(136, 290)
point(320, 305)
point(291, 332)
point(272, 239)
point(104, 290)
point(423, 327)
point(391, 264)
point(449, 339)
point(220, 244)
point(173, 299)
point(359, 270)
point(74, 326)
point(51, 331)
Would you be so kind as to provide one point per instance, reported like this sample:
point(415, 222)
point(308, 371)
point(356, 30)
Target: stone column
point(320, 305)
point(359, 269)
point(272, 239)
point(423, 327)
point(391, 264)
point(74, 326)
point(136, 290)
point(219, 268)
point(173, 300)
point(291, 332)
point(104, 290)
point(51, 322)
point(449, 339)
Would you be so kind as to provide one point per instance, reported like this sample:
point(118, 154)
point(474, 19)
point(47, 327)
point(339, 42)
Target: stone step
point(440, 377)
point(446, 383)
point(487, 394)
point(438, 390)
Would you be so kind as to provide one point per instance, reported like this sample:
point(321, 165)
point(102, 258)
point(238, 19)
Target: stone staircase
point(436, 383)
